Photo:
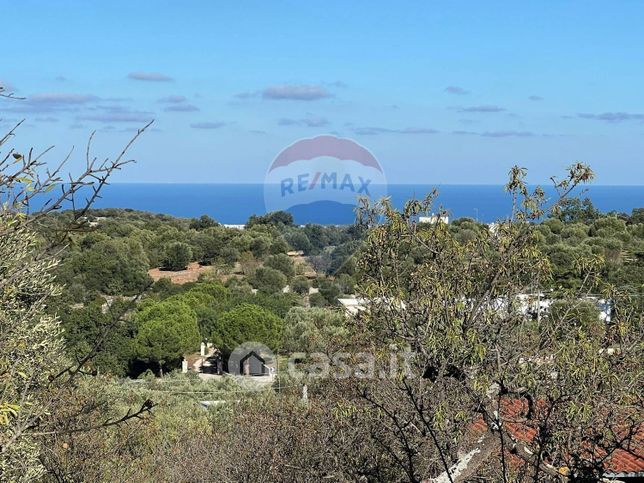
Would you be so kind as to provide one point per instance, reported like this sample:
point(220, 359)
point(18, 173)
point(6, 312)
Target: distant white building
point(352, 305)
point(532, 304)
point(538, 304)
point(433, 219)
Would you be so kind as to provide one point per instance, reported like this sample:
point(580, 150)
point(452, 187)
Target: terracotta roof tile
point(514, 411)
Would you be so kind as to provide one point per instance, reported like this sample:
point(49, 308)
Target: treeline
point(378, 428)
point(254, 283)
point(113, 252)
point(247, 294)
point(441, 351)
point(579, 231)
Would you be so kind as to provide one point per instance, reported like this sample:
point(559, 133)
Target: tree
point(177, 256)
point(275, 218)
point(166, 331)
point(575, 210)
point(342, 258)
point(637, 216)
point(300, 285)
point(165, 288)
point(346, 283)
point(214, 245)
point(283, 263)
point(214, 289)
point(476, 357)
point(564, 258)
point(580, 315)
point(37, 381)
point(268, 280)
point(112, 267)
point(321, 237)
point(247, 323)
point(278, 303)
point(208, 300)
point(279, 245)
point(607, 226)
point(330, 290)
point(229, 255)
point(28, 282)
point(84, 326)
point(298, 240)
point(260, 245)
point(202, 223)
point(313, 329)
point(317, 300)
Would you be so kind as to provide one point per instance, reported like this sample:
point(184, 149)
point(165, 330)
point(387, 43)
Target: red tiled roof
point(622, 461)
point(630, 460)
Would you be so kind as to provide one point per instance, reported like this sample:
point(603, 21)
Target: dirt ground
point(194, 270)
point(308, 269)
point(191, 274)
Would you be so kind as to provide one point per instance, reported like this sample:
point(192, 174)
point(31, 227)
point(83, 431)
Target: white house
point(433, 219)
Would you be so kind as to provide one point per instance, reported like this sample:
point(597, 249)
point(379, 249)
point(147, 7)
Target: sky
point(440, 92)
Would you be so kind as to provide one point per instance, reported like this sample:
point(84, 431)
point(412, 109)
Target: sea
point(235, 203)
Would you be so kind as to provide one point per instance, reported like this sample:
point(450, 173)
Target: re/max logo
point(304, 182)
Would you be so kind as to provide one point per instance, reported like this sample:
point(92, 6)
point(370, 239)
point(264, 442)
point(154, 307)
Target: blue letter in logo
point(302, 182)
point(287, 185)
point(346, 182)
point(364, 185)
point(329, 178)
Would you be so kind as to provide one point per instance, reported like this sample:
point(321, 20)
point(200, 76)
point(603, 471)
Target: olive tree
point(554, 392)
point(36, 377)
point(313, 329)
point(177, 256)
point(268, 280)
point(283, 263)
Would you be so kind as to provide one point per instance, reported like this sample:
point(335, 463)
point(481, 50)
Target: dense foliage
point(388, 429)
point(165, 332)
point(451, 293)
point(247, 323)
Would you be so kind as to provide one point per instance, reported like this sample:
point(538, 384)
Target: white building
point(352, 305)
point(529, 304)
point(433, 219)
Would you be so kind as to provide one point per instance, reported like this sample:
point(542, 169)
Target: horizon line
point(590, 185)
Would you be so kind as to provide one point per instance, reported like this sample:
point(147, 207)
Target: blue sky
point(440, 92)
